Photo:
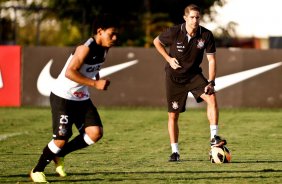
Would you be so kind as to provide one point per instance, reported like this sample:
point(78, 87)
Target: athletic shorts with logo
point(65, 113)
point(177, 91)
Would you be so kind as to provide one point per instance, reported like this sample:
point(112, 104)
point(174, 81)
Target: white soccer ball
point(220, 155)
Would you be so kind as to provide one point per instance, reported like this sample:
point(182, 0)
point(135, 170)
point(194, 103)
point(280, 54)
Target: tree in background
point(6, 31)
point(65, 22)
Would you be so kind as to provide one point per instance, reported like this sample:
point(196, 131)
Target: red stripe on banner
point(10, 76)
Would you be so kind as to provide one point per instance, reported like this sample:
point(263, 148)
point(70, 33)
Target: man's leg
point(173, 127)
point(92, 134)
point(212, 113)
point(173, 131)
point(48, 154)
point(213, 116)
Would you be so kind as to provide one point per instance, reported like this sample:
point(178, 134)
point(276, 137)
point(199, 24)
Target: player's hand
point(102, 84)
point(174, 63)
point(209, 89)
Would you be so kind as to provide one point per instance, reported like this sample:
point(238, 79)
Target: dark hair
point(105, 21)
point(190, 8)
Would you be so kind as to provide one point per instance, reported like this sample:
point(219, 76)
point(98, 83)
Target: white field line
point(6, 136)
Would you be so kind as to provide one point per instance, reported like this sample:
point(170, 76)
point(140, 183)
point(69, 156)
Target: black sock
point(75, 144)
point(46, 157)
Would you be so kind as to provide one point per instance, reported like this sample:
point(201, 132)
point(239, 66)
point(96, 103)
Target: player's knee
point(56, 145)
point(211, 100)
point(95, 133)
point(99, 134)
point(60, 143)
point(92, 138)
point(173, 115)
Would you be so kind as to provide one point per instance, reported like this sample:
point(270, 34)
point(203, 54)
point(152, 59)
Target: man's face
point(108, 37)
point(192, 19)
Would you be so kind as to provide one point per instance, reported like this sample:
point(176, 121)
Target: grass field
point(135, 147)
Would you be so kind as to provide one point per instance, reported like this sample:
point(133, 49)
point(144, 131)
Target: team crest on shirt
point(174, 105)
point(201, 43)
point(80, 94)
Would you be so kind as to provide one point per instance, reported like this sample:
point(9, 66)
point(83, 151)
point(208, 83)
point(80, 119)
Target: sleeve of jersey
point(166, 37)
point(210, 47)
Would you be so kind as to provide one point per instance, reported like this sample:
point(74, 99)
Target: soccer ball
point(220, 155)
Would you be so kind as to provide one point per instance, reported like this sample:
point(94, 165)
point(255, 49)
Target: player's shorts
point(177, 92)
point(65, 113)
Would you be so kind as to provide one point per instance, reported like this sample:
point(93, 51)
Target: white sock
point(174, 147)
point(52, 146)
point(88, 140)
point(214, 130)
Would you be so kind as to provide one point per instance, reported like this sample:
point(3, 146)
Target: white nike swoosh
point(112, 69)
point(1, 80)
point(229, 80)
point(45, 80)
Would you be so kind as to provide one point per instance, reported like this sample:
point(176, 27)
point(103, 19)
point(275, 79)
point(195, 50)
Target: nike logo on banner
point(1, 80)
point(45, 80)
point(229, 80)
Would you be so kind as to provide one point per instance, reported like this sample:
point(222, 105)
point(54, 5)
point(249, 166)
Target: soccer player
point(187, 43)
point(70, 100)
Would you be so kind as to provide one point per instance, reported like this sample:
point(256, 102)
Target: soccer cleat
point(60, 166)
point(38, 177)
point(174, 157)
point(217, 141)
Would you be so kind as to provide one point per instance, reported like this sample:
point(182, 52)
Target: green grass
point(135, 147)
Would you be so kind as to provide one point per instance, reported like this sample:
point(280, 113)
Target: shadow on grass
point(109, 176)
point(256, 161)
point(153, 172)
point(177, 172)
point(235, 162)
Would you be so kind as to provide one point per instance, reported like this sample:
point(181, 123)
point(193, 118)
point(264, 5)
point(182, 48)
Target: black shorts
point(177, 92)
point(65, 113)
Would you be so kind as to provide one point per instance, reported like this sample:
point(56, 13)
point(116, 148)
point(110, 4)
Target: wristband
point(212, 82)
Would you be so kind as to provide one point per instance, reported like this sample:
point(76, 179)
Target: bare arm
point(73, 73)
point(161, 49)
point(212, 66)
point(209, 89)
